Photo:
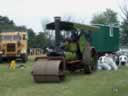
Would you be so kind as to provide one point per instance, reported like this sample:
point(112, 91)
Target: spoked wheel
point(94, 58)
point(89, 60)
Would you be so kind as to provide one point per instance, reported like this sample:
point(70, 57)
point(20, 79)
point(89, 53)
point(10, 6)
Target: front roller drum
point(48, 70)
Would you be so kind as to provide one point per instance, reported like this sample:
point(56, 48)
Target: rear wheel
point(89, 60)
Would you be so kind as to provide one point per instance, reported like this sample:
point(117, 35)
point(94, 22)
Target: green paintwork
point(71, 49)
point(70, 56)
point(102, 40)
point(71, 46)
point(82, 43)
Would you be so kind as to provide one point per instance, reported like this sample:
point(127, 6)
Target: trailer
point(106, 40)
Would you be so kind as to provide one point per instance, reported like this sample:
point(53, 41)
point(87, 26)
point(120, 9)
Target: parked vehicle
point(13, 45)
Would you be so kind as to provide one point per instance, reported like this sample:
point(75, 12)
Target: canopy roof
point(68, 26)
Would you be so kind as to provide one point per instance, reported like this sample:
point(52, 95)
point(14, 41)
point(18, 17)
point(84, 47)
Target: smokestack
point(57, 30)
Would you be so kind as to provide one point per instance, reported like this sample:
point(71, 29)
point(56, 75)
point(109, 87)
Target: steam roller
point(72, 53)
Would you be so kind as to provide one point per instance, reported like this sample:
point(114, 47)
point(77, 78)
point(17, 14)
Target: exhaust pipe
point(57, 30)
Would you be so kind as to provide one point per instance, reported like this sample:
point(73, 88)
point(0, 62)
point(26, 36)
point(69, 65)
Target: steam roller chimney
point(57, 30)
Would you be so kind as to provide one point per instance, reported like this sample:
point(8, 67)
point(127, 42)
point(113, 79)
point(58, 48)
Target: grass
point(19, 82)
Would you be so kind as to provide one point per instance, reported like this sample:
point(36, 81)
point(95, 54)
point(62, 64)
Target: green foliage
point(107, 17)
point(31, 37)
point(124, 26)
point(37, 41)
point(82, 43)
point(124, 33)
point(41, 40)
point(5, 20)
point(8, 25)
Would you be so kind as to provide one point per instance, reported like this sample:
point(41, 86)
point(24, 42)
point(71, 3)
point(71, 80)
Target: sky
point(32, 13)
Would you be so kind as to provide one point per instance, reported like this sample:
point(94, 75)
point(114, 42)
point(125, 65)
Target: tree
point(107, 17)
point(8, 25)
point(31, 38)
point(5, 20)
point(41, 41)
point(124, 24)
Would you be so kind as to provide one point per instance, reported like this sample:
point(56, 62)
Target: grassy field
point(102, 83)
